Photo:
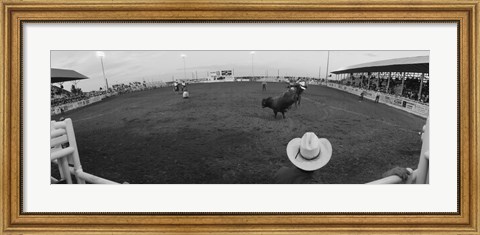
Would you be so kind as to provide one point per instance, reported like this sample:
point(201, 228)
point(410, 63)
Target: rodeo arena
point(361, 124)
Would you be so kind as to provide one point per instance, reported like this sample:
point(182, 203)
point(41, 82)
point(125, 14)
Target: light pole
point(252, 53)
point(320, 73)
point(101, 54)
point(184, 66)
point(328, 61)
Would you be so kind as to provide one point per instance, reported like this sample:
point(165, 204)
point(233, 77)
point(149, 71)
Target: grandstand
point(402, 82)
point(407, 77)
point(58, 94)
point(63, 100)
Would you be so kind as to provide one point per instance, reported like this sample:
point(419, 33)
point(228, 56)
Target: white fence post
point(62, 175)
point(422, 176)
point(73, 143)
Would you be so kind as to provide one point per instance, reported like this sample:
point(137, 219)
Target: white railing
point(421, 174)
point(64, 152)
point(395, 179)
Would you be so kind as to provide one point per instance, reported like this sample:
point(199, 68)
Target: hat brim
point(309, 165)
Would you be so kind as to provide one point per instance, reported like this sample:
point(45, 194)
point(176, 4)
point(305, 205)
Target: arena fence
point(75, 105)
point(421, 174)
point(401, 103)
point(64, 153)
point(78, 104)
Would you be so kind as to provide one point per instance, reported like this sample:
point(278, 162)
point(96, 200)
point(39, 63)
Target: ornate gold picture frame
point(15, 12)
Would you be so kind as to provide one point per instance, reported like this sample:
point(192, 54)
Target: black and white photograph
point(239, 117)
point(286, 117)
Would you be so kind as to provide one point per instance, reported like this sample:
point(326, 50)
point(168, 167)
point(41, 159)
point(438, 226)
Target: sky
point(150, 66)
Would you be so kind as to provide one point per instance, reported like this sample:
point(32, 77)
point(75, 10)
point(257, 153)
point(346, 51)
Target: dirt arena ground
point(222, 135)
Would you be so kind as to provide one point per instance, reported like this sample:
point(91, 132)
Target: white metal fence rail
point(64, 152)
point(421, 174)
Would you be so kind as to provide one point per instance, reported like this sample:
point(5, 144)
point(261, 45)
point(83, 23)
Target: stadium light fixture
point(184, 66)
point(101, 54)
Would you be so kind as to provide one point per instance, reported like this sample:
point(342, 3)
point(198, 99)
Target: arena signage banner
point(386, 99)
point(421, 109)
point(409, 105)
point(368, 94)
point(71, 106)
point(227, 73)
point(397, 102)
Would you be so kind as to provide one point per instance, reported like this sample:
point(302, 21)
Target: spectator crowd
point(60, 96)
point(411, 85)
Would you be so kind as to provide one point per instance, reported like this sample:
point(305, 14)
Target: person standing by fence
point(310, 153)
point(307, 154)
point(264, 85)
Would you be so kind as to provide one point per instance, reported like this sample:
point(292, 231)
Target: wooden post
point(421, 85)
point(368, 83)
point(403, 82)
point(388, 82)
point(378, 80)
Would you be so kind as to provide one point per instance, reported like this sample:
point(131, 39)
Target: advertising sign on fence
point(421, 110)
point(409, 105)
point(394, 101)
point(398, 102)
point(368, 94)
point(71, 106)
point(386, 99)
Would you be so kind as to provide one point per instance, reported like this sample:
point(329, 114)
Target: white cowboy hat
point(309, 153)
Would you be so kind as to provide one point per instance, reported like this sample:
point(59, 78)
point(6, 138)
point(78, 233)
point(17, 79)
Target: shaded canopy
point(65, 75)
point(418, 64)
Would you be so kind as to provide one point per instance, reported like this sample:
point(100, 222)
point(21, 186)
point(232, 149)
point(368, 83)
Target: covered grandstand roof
point(418, 64)
point(65, 75)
